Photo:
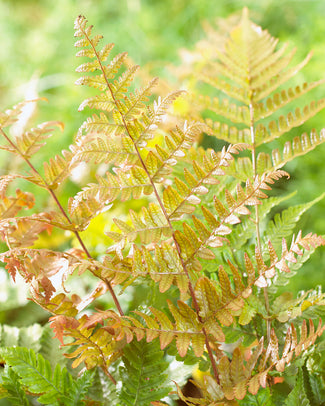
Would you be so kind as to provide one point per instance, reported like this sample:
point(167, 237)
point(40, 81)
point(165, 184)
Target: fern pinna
point(198, 237)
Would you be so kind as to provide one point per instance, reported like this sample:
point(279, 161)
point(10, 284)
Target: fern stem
point(76, 233)
point(191, 289)
point(257, 219)
point(110, 376)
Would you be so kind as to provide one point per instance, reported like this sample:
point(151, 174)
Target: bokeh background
point(37, 57)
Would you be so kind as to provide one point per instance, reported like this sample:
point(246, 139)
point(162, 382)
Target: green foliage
point(35, 374)
point(298, 395)
point(144, 374)
point(203, 235)
point(11, 388)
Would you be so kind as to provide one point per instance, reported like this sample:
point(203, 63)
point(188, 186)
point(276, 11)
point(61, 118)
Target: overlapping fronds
point(30, 142)
point(10, 116)
point(239, 375)
point(144, 374)
point(96, 346)
point(291, 149)
point(37, 266)
point(10, 206)
point(27, 143)
point(34, 372)
point(288, 256)
point(197, 241)
point(283, 223)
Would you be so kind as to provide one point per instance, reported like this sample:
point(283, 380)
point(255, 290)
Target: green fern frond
point(11, 388)
point(298, 394)
point(283, 223)
point(143, 374)
point(22, 337)
point(103, 390)
point(35, 373)
point(244, 230)
point(49, 348)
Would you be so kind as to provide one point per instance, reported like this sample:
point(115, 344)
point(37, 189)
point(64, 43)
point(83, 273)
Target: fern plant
point(203, 244)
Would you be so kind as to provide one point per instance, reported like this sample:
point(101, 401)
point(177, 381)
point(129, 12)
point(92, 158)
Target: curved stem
point(191, 289)
point(76, 233)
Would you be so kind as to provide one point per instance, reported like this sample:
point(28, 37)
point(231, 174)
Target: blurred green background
point(38, 57)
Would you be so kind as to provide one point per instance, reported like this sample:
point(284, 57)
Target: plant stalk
point(76, 233)
point(257, 219)
point(191, 289)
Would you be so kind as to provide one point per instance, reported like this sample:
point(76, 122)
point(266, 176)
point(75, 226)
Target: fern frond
point(82, 211)
point(11, 388)
point(249, 70)
point(35, 373)
point(37, 266)
point(123, 184)
point(237, 376)
point(181, 201)
point(221, 302)
point(291, 149)
point(298, 393)
point(222, 107)
point(103, 390)
point(106, 150)
point(10, 206)
point(298, 245)
point(161, 326)
point(143, 374)
point(285, 124)
point(133, 104)
point(244, 230)
point(281, 99)
point(228, 133)
point(184, 327)
point(283, 223)
point(30, 142)
point(95, 347)
point(102, 125)
point(58, 168)
point(49, 348)
point(24, 231)
point(5, 181)
point(10, 116)
point(285, 308)
point(160, 161)
point(150, 225)
point(188, 241)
